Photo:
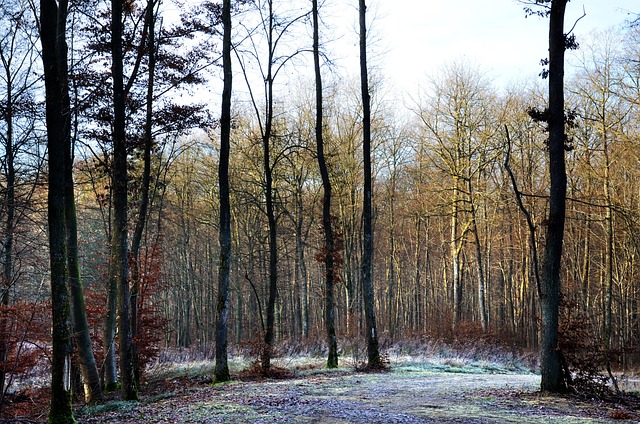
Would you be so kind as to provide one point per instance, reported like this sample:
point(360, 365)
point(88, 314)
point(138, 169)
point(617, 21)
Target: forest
point(200, 177)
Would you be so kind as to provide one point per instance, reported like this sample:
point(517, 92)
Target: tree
point(551, 366)
point(605, 114)
point(329, 248)
point(269, 195)
point(119, 263)
point(460, 120)
point(88, 366)
point(150, 114)
point(275, 30)
point(374, 361)
point(53, 25)
point(224, 236)
point(143, 203)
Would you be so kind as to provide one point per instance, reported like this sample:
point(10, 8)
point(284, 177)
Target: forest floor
point(410, 392)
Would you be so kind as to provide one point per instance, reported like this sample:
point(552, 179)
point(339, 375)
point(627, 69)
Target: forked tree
point(275, 30)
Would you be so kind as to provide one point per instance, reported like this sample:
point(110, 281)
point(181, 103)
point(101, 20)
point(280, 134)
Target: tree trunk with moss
point(53, 19)
point(82, 334)
point(119, 180)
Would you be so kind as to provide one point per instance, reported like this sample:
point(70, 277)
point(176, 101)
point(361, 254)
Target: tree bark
point(53, 22)
point(550, 363)
point(7, 243)
point(455, 245)
point(82, 334)
point(119, 245)
point(374, 361)
point(329, 245)
point(271, 217)
point(482, 308)
point(224, 267)
point(143, 205)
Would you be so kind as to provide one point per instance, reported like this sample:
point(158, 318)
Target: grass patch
point(116, 405)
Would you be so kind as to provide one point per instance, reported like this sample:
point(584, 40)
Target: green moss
point(106, 407)
point(61, 411)
point(113, 387)
point(61, 416)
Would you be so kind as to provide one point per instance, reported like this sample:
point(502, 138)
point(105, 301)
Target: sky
point(416, 37)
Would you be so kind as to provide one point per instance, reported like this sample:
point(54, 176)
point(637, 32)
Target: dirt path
point(400, 396)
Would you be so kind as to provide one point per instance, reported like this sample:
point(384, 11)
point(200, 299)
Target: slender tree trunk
point(143, 206)
point(392, 309)
point(53, 19)
point(455, 247)
point(271, 216)
point(329, 245)
point(300, 271)
point(119, 244)
point(304, 284)
point(550, 364)
point(111, 382)
point(224, 267)
point(7, 244)
point(482, 308)
point(374, 361)
point(88, 367)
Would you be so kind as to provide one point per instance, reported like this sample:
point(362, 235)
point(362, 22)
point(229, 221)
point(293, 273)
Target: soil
point(402, 395)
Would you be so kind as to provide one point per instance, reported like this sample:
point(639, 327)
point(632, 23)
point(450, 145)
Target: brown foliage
point(27, 341)
point(583, 351)
point(26, 336)
point(151, 322)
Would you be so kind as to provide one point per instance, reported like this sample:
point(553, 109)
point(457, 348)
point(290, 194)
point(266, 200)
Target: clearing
point(409, 393)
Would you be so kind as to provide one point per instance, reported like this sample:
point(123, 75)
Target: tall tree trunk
point(374, 361)
point(88, 367)
point(271, 216)
point(224, 267)
point(609, 254)
point(110, 382)
point(7, 243)
point(301, 269)
point(143, 205)
point(482, 308)
point(53, 22)
point(553, 378)
point(392, 309)
point(329, 244)
point(455, 246)
point(119, 245)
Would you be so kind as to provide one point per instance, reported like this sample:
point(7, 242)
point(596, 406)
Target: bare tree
point(374, 361)
point(224, 267)
point(275, 30)
point(329, 245)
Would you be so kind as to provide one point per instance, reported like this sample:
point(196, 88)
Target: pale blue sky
point(418, 36)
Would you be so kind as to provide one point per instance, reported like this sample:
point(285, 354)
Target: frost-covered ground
point(414, 391)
